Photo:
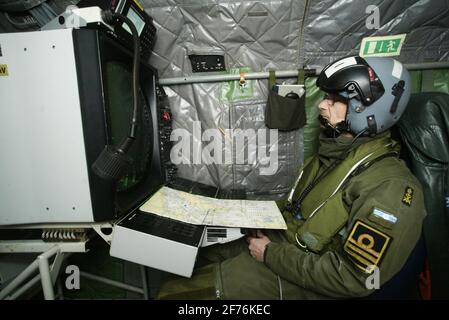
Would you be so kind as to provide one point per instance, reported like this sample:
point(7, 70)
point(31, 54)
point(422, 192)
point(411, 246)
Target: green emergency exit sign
point(385, 46)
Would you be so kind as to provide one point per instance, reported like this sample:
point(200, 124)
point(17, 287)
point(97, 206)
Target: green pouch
point(283, 113)
point(318, 230)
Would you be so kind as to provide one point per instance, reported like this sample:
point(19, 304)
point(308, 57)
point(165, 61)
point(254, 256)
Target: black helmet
point(377, 90)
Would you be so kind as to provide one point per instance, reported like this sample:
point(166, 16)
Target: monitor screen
point(119, 99)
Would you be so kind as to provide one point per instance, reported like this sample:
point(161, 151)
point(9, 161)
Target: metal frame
point(97, 226)
point(107, 224)
point(29, 246)
point(48, 273)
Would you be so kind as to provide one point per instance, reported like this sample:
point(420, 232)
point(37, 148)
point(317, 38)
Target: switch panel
point(207, 63)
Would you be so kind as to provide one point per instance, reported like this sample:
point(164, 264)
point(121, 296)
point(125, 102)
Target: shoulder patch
point(366, 246)
point(408, 196)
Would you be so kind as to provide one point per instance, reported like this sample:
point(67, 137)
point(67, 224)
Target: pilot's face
point(333, 108)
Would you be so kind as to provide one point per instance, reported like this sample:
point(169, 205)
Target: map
point(201, 210)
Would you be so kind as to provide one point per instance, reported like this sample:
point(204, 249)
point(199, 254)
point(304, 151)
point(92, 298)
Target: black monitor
point(69, 95)
point(104, 70)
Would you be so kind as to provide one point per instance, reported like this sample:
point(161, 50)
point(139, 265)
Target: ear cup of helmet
point(381, 115)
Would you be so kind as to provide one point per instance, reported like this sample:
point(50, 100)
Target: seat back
point(424, 131)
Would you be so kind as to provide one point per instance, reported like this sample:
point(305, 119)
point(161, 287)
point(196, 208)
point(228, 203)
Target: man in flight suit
point(354, 210)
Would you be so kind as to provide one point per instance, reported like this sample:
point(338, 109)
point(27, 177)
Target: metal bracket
point(106, 237)
point(56, 266)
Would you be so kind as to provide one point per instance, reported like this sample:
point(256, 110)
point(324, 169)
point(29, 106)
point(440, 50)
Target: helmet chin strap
point(332, 131)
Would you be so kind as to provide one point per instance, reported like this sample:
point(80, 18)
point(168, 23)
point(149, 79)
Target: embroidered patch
point(4, 70)
point(385, 215)
point(408, 196)
point(366, 246)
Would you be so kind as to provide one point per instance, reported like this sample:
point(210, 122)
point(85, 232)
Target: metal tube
point(112, 282)
point(50, 252)
point(24, 288)
point(144, 282)
point(427, 65)
point(18, 280)
point(231, 77)
point(279, 74)
point(47, 285)
point(44, 269)
point(60, 289)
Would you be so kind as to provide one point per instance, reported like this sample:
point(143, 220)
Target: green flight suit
point(346, 227)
